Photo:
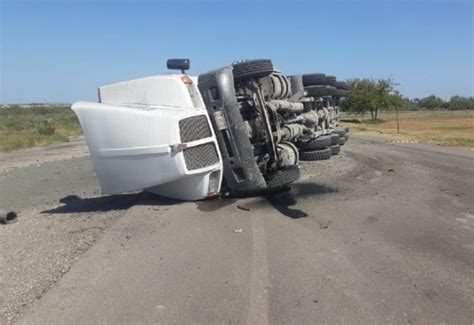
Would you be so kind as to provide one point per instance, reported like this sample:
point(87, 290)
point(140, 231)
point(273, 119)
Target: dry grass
point(33, 126)
point(446, 128)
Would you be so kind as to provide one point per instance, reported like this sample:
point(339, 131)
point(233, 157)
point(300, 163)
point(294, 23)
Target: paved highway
point(382, 233)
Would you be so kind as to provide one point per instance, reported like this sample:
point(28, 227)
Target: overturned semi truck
point(241, 129)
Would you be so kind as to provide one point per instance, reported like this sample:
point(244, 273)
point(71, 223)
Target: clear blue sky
point(61, 51)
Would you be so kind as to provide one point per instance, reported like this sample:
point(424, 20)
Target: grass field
point(446, 128)
point(32, 126)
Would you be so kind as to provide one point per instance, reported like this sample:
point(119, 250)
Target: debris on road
point(325, 225)
point(7, 217)
point(243, 208)
point(238, 230)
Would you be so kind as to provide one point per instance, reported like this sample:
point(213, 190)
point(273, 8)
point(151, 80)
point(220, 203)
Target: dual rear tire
point(335, 149)
point(314, 155)
point(343, 135)
point(322, 148)
point(316, 149)
point(318, 79)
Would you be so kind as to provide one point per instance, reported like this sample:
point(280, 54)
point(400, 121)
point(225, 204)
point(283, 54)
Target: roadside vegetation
point(370, 96)
point(441, 127)
point(375, 107)
point(22, 127)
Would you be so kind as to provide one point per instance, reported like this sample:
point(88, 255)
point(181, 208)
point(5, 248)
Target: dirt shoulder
point(38, 155)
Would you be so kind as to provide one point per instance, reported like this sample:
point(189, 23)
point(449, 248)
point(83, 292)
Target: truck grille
point(194, 128)
point(201, 156)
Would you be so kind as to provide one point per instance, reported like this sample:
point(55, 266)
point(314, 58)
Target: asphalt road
point(383, 233)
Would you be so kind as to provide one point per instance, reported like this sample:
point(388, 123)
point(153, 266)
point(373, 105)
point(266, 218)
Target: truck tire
point(252, 69)
point(335, 149)
point(332, 91)
point(330, 80)
point(321, 142)
point(342, 140)
point(283, 177)
point(341, 85)
point(314, 79)
point(346, 129)
point(316, 155)
point(339, 131)
point(319, 90)
point(341, 93)
point(334, 139)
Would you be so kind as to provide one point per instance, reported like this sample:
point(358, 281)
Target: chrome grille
point(201, 156)
point(194, 128)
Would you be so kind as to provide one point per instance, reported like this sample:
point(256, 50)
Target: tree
point(458, 102)
point(431, 102)
point(383, 99)
point(397, 101)
point(369, 95)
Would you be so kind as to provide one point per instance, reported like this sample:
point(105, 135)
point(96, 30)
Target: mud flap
point(241, 172)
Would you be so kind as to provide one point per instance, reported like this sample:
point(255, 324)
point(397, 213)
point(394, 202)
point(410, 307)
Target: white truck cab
point(154, 134)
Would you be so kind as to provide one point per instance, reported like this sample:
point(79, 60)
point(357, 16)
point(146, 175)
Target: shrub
point(45, 128)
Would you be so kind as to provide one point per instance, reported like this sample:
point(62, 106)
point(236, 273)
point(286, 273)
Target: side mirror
point(178, 64)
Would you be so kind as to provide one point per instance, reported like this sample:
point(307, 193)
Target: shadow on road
point(284, 200)
point(76, 204)
point(214, 204)
point(305, 189)
point(288, 197)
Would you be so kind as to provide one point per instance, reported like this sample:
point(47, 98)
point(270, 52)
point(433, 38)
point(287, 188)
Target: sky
point(62, 51)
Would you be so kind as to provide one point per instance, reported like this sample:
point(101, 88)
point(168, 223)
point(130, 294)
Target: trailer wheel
point(316, 155)
point(334, 138)
point(342, 93)
point(314, 79)
point(319, 90)
point(330, 80)
point(335, 149)
point(341, 85)
point(339, 131)
point(283, 177)
point(321, 142)
point(252, 69)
